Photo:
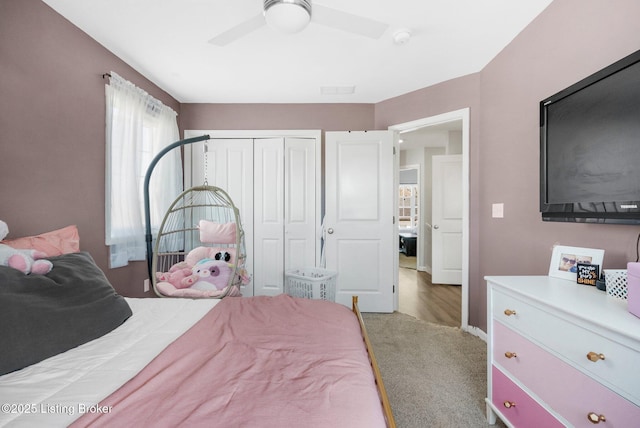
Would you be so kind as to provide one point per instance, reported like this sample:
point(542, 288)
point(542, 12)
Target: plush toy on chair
point(216, 253)
point(26, 261)
point(209, 274)
point(176, 275)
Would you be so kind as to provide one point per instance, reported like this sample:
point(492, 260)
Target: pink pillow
point(217, 233)
point(54, 243)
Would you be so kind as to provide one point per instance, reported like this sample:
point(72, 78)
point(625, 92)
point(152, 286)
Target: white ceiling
point(167, 42)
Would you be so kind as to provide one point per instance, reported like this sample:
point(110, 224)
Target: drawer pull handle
point(510, 354)
point(509, 312)
point(509, 404)
point(594, 356)
point(594, 418)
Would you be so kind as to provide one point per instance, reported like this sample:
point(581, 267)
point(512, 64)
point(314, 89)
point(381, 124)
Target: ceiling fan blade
point(348, 22)
point(238, 31)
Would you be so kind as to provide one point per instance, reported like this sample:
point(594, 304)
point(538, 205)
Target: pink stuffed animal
point(217, 253)
point(26, 261)
point(176, 275)
point(209, 274)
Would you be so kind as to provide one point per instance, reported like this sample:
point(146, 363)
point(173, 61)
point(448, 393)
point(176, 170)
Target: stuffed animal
point(244, 276)
point(176, 275)
point(223, 255)
point(209, 274)
point(216, 253)
point(26, 261)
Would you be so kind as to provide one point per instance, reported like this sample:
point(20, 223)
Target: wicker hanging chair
point(199, 250)
point(182, 232)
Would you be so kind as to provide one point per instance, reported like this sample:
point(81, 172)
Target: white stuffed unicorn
point(26, 261)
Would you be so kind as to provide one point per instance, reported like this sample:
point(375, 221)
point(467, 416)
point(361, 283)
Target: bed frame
point(384, 399)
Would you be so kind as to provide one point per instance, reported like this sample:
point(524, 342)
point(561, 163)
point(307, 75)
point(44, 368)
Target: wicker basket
point(311, 283)
point(616, 281)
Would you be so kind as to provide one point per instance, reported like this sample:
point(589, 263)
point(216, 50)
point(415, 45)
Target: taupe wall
point(52, 131)
point(52, 127)
point(568, 42)
point(327, 117)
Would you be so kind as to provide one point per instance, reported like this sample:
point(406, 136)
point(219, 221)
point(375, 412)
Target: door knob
point(330, 231)
point(435, 226)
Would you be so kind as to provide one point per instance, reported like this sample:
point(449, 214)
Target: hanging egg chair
point(199, 250)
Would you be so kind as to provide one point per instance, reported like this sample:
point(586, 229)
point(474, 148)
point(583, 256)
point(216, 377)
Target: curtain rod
point(106, 75)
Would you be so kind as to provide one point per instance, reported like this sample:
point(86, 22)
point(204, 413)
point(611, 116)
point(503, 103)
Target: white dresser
point(560, 354)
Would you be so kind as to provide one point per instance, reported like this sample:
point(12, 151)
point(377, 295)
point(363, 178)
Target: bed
point(240, 361)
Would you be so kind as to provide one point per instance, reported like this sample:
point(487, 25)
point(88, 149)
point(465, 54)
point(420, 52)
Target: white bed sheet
point(56, 391)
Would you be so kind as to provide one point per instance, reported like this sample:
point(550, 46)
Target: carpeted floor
point(435, 376)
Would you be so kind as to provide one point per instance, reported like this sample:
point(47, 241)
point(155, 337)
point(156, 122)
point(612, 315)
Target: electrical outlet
point(146, 285)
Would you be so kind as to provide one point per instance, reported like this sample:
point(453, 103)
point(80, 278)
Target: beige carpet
point(435, 376)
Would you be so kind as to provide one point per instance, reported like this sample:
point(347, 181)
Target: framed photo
point(564, 260)
point(588, 274)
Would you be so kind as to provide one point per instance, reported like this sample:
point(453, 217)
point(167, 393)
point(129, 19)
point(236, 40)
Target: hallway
point(436, 303)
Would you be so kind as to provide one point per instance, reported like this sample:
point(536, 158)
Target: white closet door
point(268, 277)
point(285, 210)
point(229, 165)
point(300, 203)
point(278, 199)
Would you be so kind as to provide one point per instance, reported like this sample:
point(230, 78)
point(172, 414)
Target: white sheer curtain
point(138, 126)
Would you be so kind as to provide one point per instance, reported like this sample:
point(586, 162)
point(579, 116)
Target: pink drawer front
point(524, 411)
point(566, 390)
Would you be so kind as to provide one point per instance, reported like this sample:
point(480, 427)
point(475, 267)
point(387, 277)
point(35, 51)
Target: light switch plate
point(497, 210)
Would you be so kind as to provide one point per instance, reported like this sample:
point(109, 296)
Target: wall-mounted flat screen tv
point(590, 148)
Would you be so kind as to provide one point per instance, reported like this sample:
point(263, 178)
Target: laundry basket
point(616, 281)
point(311, 283)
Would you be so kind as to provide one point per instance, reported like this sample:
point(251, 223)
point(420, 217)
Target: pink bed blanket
point(255, 362)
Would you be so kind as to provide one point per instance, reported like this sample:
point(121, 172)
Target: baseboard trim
point(476, 332)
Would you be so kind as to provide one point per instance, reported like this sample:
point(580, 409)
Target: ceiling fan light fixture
point(288, 16)
point(401, 37)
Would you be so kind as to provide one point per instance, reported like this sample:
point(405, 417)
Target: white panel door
point(361, 243)
point(447, 220)
point(285, 210)
point(300, 211)
point(268, 277)
point(229, 165)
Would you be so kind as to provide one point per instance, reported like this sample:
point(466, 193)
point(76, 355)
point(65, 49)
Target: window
point(137, 127)
point(408, 206)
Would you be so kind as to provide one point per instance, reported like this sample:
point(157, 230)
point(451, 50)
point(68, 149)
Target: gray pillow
point(44, 315)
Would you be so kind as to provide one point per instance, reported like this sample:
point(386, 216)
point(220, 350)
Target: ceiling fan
point(292, 16)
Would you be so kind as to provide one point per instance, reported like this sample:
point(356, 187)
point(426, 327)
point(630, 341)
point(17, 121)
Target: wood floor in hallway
point(436, 303)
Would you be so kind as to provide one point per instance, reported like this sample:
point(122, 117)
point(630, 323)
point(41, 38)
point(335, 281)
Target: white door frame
point(462, 114)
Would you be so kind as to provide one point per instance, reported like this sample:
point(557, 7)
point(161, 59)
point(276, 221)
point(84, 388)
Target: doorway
point(409, 213)
point(443, 134)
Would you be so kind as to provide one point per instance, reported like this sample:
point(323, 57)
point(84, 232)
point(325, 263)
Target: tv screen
point(590, 148)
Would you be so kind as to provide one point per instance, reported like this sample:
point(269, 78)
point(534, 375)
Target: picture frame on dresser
point(565, 259)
